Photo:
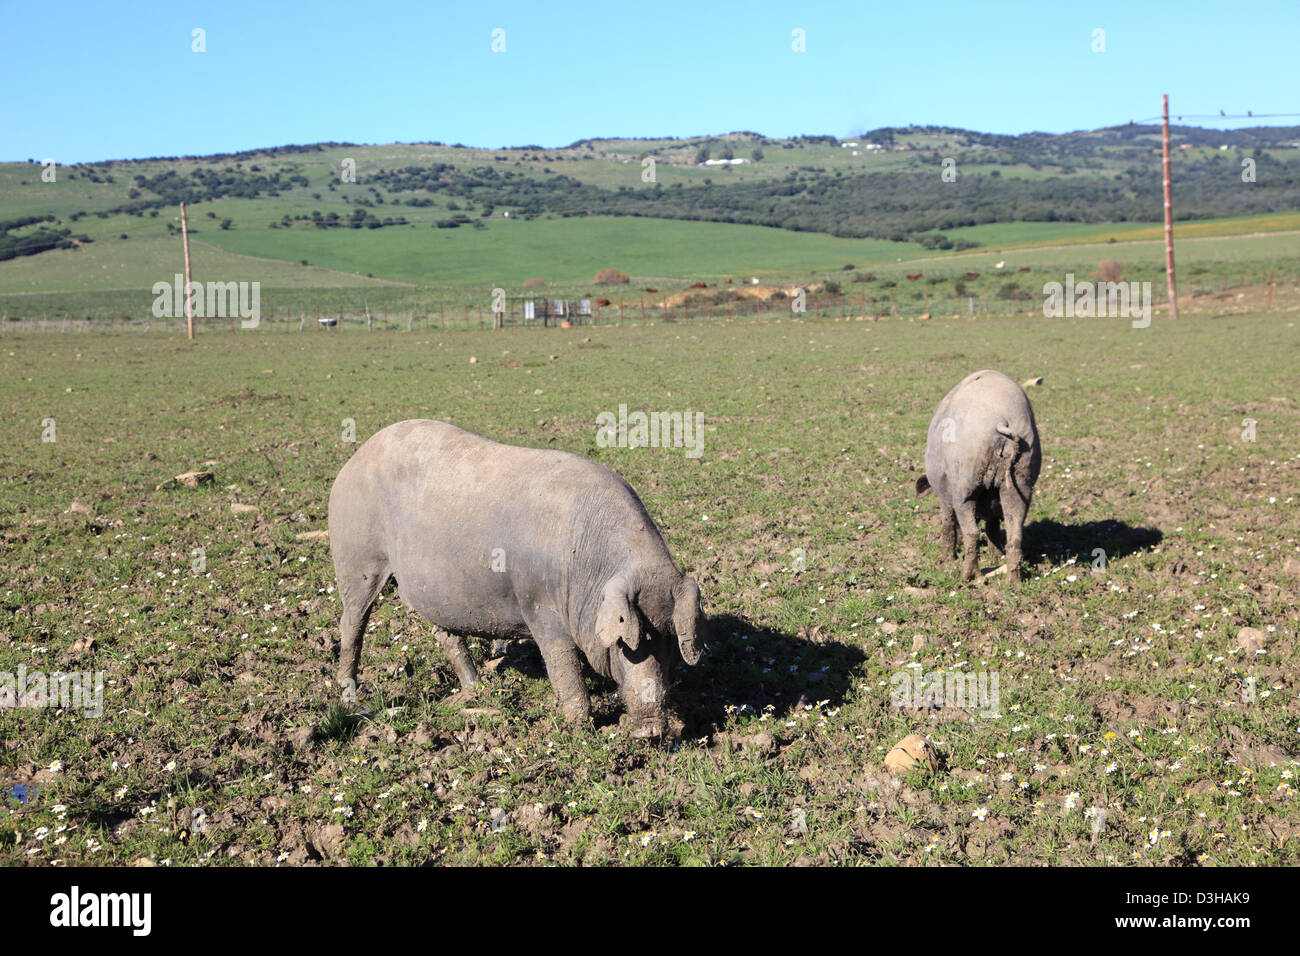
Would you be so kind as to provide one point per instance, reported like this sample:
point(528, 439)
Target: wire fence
point(1195, 294)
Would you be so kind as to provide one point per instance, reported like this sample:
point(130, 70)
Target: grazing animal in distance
point(982, 458)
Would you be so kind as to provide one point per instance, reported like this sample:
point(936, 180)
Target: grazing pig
point(509, 542)
point(982, 458)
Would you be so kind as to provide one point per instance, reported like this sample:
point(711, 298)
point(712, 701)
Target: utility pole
point(185, 241)
point(1169, 217)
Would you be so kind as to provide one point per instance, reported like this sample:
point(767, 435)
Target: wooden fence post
point(185, 239)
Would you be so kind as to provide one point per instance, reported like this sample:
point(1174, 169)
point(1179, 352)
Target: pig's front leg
point(993, 528)
point(563, 666)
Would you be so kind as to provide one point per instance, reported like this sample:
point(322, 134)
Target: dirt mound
point(735, 293)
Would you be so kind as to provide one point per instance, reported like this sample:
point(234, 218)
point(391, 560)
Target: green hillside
point(425, 220)
point(566, 250)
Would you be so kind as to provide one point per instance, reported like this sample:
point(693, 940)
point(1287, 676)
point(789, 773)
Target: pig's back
point(976, 407)
point(433, 471)
point(469, 526)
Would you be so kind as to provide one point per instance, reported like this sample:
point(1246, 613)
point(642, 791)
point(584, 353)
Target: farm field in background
point(453, 271)
point(568, 251)
point(1016, 235)
point(1131, 727)
point(428, 226)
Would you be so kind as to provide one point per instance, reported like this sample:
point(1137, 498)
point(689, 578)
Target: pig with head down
point(509, 542)
point(982, 459)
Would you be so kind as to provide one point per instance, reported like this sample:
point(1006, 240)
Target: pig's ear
point(686, 616)
point(617, 619)
point(922, 485)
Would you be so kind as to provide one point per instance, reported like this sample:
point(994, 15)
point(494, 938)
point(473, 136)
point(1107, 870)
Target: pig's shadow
point(523, 657)
point(744, 665)
point(751, 666)
point(1056, 543)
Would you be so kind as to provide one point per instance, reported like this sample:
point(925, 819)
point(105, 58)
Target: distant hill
point(902, 184)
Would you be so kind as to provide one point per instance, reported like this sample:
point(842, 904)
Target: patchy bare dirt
point(1135, 721)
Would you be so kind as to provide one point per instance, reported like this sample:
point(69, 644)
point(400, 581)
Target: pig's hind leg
point(970, 539)
point(947, 530)
point(1014, 509)
point(993, 526)
point(358, 589)
point(461, 662)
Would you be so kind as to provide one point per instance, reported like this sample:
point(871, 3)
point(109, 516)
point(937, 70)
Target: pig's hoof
point(650, 730)
point(348, 694)
point(576, 714)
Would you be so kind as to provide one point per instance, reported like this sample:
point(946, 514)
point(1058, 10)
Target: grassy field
point(567, 251)
point(1021, 235)
point(453, 271)
point(1130, 727)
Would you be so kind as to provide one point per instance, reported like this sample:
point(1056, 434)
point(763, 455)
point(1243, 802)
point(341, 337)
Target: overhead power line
point(1219, 115)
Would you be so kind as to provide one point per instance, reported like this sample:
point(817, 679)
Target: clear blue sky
point(86, 81)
